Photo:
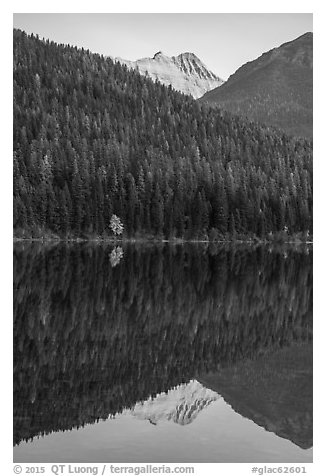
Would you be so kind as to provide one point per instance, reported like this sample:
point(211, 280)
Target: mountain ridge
point(273, 390)
point(181, 404)
point(275, 88)
point(185, 72)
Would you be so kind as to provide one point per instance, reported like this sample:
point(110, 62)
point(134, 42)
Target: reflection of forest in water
point(91, 339)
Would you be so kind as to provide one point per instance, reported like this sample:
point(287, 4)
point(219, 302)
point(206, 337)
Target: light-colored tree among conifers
point(116, 225)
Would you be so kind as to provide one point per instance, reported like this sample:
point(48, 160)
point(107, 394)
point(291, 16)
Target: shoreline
point(255, 241)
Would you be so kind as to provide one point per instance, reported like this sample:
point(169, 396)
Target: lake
point(162, 353)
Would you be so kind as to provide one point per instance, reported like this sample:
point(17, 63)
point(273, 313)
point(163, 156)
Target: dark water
point(162, 353)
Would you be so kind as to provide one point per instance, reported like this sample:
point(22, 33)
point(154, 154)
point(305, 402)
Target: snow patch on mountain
point(181, 404)
point(185, 72)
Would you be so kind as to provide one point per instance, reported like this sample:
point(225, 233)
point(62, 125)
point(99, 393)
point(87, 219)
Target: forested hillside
point(92, 139)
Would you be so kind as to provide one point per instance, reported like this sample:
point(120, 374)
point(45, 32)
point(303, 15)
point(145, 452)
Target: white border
point(318, 467)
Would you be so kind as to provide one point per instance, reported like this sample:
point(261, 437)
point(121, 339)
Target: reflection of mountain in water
point(274, 391)
point(181, 404)
point(91, 340)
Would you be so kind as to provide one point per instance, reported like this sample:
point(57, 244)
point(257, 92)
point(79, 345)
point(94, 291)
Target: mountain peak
point(188, 55)
point(181, 404)
point(185, 72)
point(159, 55)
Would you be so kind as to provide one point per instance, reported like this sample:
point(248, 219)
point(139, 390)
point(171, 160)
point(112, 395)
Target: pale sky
point(223, 41)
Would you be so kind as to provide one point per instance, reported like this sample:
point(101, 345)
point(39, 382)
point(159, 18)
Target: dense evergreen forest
point(92, 139)
point(91, 339)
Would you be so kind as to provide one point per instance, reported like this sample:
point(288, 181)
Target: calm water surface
point(185, 353)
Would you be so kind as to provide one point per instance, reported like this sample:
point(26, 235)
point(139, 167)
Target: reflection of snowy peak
point(181, 404)
point(185, 72)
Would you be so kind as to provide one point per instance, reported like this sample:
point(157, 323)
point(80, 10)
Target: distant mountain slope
point(181, 404)
point(185, 72)
point(275, 89)
point(274, 391)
